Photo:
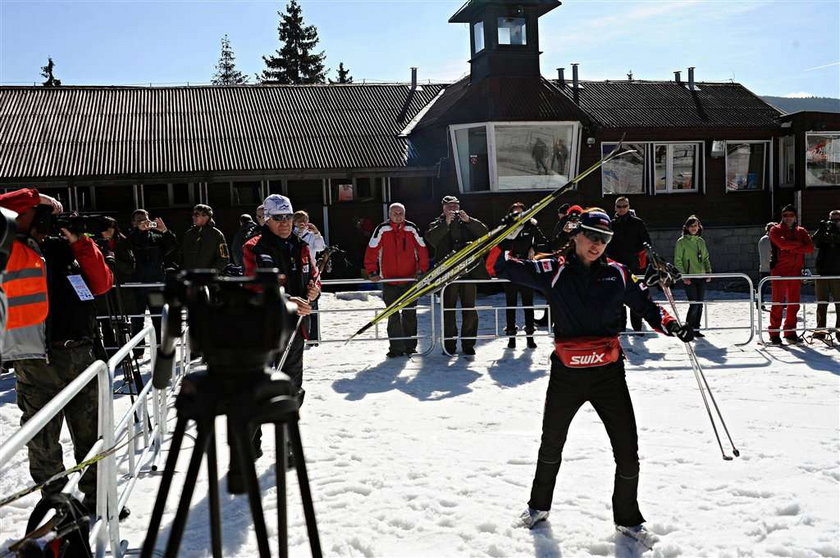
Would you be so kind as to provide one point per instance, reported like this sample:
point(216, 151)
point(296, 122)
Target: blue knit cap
point(596, 220)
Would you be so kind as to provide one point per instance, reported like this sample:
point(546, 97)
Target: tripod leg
point(165, 485)
point(204, 431)
point(280, 468)
point(242, 442)
point(305, 493)
point(213, 486)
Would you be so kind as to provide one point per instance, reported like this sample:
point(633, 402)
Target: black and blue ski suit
point(587, 302)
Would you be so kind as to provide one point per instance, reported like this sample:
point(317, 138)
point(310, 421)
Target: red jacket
point(396, 251)
point(788, 249)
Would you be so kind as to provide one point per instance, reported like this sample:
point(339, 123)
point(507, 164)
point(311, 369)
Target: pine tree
point(226, 72)
point(343, 74)
point(296, 61)
point(47, 72)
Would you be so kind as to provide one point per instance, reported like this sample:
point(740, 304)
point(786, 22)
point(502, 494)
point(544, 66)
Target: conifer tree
point(343, 74)
point(47, 72)
point(296, 61)
point(226, 72)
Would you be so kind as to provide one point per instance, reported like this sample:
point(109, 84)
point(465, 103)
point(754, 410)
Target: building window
point(247, 193)
point(218, 195)
point(746, 164)
point(155, 196)
point(471, 155)
point(84, 199)
point(822, 159)
point(511, 30)
point(508, 156)
point(625, 174)
point(478, 36)
point(115, 198)
point(787, 161)
point(181, 195)
point(675, 167)
point(306, 191)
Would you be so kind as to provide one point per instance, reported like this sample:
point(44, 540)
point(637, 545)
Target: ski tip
point(736, 453)
point(727, 458)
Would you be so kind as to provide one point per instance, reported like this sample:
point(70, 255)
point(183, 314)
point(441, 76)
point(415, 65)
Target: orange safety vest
point(25, 285)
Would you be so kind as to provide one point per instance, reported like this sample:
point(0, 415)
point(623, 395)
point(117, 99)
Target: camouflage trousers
point(37, 383)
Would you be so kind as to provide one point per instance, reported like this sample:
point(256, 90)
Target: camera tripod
point(247, 400)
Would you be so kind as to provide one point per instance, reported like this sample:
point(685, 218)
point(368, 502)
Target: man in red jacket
point(49, 355)
point(396, 250)
point(789, 244)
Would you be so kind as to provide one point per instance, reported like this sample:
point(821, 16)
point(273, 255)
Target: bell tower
point(504, 36)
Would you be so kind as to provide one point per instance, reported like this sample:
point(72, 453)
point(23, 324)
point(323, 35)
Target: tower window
point(478, 36)
point(511, 30)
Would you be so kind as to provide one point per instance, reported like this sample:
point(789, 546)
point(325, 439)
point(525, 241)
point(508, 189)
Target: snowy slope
point(434, 456)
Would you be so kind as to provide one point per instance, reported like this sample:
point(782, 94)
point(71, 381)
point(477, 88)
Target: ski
point(459, 263)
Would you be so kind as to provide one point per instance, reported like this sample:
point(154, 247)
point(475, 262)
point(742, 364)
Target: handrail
point(803, 303)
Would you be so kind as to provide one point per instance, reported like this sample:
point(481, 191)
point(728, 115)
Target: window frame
point(699, 153)
point(492, 156)
point(783, 163)
point(832, 133)
point(478, 25)
point(649, 172)
point(766, 166)
point(499, 27)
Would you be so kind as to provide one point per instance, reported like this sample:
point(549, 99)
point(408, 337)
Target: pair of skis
point(462, 261)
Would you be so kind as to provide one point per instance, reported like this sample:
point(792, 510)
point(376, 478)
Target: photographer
point(450, 232)
point(119, 256)
point(152, 244)
point(49, 355)
point(827, 242)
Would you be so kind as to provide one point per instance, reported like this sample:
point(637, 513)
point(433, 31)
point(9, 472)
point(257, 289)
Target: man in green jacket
point(692, 257)
point(204, 246)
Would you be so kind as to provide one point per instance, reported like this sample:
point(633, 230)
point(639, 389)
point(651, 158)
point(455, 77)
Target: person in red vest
point(50, 339)
point(397, 251)
point(789, 244)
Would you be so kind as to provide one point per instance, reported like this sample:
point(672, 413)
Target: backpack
point(64, 536)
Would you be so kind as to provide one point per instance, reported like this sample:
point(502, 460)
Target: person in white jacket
point(310, 234)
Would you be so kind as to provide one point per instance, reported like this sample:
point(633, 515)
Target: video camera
point(832, 228)
point(50, 225)
point(239, 324)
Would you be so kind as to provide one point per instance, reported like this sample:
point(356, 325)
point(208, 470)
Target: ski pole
point(659, 264)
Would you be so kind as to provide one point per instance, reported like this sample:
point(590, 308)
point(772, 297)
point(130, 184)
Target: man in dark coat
point(247, 230)
point(628, 246)
point(450, 232)
point(827, 242)
point(204, 246)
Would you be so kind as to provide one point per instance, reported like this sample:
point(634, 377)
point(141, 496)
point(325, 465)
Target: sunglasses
point(595, 236)
point(622, 206)
point(199, 214)
point(788, 214)
point(282, 218)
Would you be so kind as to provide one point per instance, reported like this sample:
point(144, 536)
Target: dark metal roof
point(668, 104)
point(76, 132)
point(473, 8)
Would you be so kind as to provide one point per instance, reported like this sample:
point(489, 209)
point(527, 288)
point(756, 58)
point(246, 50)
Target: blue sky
point(772, 47)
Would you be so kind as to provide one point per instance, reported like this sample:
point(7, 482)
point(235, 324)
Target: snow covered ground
point(433, 456)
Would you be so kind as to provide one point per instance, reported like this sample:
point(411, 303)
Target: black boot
point(531, 343)
point(511, 343)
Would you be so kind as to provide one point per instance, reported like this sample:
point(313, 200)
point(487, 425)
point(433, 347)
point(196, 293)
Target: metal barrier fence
point(139, 430)
point(803, 303)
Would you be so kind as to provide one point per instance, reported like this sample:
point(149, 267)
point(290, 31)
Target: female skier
point(586, 292)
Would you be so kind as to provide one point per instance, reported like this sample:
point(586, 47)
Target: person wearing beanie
point(204, 246)
point(789, 244)
point(586, 293)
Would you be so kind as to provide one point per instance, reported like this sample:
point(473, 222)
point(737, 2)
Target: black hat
point(789, 208)
point(449, 199)
point(563, 208)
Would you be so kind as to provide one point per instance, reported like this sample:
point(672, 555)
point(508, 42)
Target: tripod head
point(238, 323)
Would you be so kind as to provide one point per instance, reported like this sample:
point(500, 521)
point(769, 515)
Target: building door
point(355, 210)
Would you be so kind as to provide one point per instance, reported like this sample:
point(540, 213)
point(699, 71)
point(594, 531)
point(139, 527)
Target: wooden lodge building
point(502, 134)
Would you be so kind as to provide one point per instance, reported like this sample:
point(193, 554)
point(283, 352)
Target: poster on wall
point(822, 159)
point(533, 156)
point(345, 192)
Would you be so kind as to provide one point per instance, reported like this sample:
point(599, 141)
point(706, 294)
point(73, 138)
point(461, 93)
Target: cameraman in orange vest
point(51, 282)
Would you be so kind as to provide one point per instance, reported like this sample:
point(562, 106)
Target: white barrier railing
point(803, 303)
point(141, 431)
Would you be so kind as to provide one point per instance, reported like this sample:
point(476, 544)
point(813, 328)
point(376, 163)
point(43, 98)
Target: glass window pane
point(155, 195)
point(218, 194)
point(822, 159)
point(660, 168)
point(182, 195)
point(115, 199)
point(625, 174)
point(683, 165)
point(246, 193)
point(788, 161)
point(306, 192)
point(478, 36)
point(84, 198)
point(471, 147)
point(533, 156)
point(342, 190)
point(511, 30)
point(744, 166)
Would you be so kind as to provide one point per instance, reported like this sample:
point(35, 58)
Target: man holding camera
point(50, 354)
point(396, 250)
point(789, 244)
point(204, 246)
point(827, 242)
point(450, 232)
